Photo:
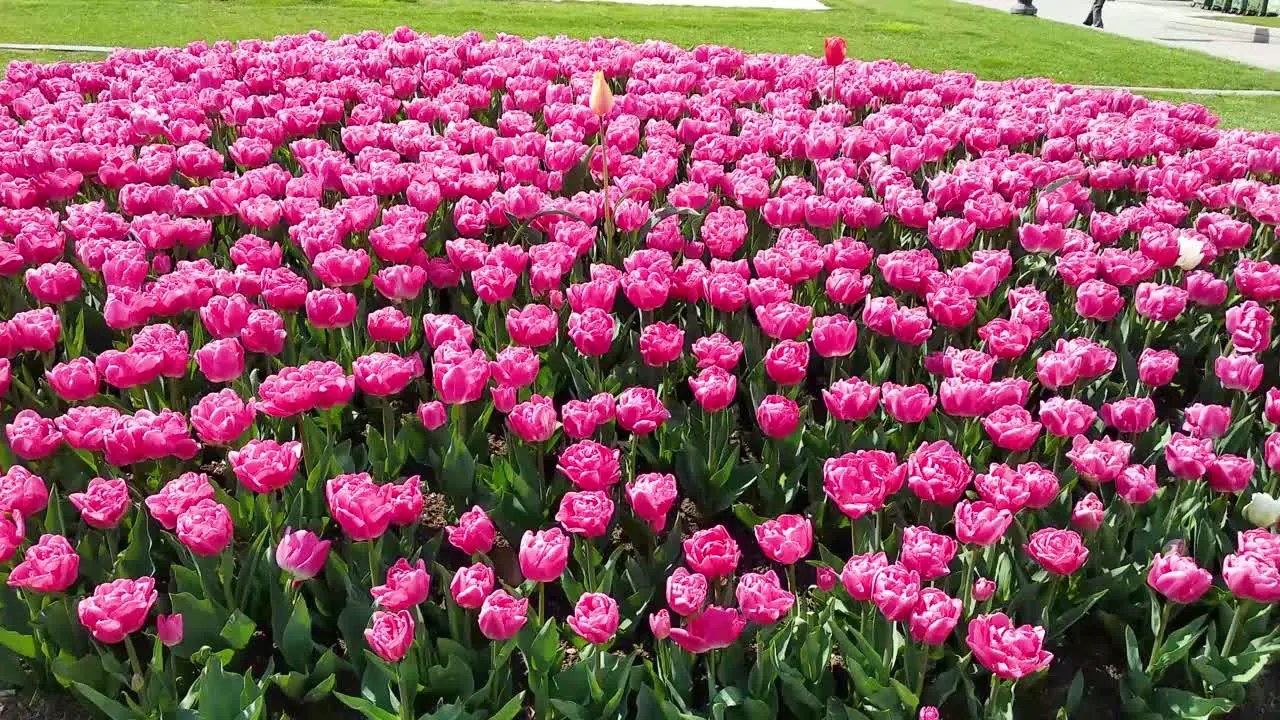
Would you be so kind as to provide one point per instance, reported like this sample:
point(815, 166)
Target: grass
point(934, 34)
point(1268, 21)
point(1256, 112)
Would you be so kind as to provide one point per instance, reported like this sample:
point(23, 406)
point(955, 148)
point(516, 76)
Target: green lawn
point(1268, 21)
point(1256, 112)
point(936, 34)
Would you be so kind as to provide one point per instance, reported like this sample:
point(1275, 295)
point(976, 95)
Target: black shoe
point(1088, 22)
point(1098, 26)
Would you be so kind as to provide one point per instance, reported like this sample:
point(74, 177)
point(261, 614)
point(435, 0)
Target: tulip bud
point(601, 95)
point(1262, 510)
point(983, 589)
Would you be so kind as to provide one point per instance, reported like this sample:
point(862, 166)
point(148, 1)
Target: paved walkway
point(1168, 22)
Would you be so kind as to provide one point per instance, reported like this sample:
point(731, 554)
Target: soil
point(45, 707)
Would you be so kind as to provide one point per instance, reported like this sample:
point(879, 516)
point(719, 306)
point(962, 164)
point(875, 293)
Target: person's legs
point(1095, 14)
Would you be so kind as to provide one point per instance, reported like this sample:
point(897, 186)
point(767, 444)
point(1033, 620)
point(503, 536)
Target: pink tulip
point(595, 618)
point(934, 617)
point(762, 599)
point(895, 591)
point(778, 416)
point(585, 513)
point(471, 585)
point(264, 466)
point(301, 554)
point(1089, 513)
point(169, 629)
point(1178, 578)
point(1011, 652)
point(502, 616)
point(1061, 552)
point(390, 635)
point(406, 586)
point(786, 539)
point(544, 554)
point(927, 553)
point(651, 496)
point(714, 629)
point(712, 552)
point(51, 565)
point(117, 609)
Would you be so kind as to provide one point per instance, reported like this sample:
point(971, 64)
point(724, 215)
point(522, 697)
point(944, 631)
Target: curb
point(1234, 32)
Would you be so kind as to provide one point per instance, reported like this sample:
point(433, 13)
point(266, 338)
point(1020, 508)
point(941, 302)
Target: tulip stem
point(1156, 647)
point(139, 676)
point(542, 602)
point(1047, 610)
point(373, 561)
point(1236, 619)
point(966, 588)
point(924, 668)
point(711, 676)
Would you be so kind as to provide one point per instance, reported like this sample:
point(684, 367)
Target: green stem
point(711, 676)
point(1160, 631)
point(966, 588)
point(924, 668)
point(794, 588)
point(1236, 619)
point(374, 560)
point(1047, 610)
point(542, 602)
point(406, 694)
point(138, 675)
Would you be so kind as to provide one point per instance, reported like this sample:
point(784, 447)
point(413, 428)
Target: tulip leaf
point(1060, 624)
point(295, 643)
point(24, 645)
point(511, 709)
point(322, 689)
point(136, 560)
point(1176, 647)
point(109, 707)
point(366, 708)
point(1189, 706)
point(238, 630)
point(221, 692)
point(571, 710)
point(796, 694)
point(293, 684)
point(453, 679)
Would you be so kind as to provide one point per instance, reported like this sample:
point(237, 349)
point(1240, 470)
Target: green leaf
point(295, 643)
point(201, 623)
point(109, 707)
point(136, 560)
point(571, 710)
point(221, 692)
point(510, 710)
point(24, 645)
point(1189, 706)
point(238, 630)
point(1073, 615)
point(368, 709)
point(1075, 692)
point(1178, 645)
point(451, 680)
point(796, 694)
point(322, 690)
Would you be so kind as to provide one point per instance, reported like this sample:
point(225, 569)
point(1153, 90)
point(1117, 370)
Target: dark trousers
point(1095, 14)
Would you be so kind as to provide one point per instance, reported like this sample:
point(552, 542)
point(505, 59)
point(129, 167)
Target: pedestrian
point(1095, 15)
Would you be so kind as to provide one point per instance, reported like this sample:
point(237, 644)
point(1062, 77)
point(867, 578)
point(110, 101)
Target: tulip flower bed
point(444, 377)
